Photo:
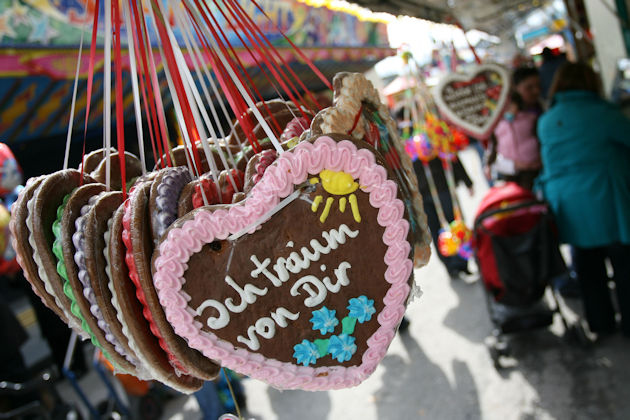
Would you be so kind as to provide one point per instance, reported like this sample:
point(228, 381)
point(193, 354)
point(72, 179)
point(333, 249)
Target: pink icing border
point(290, 169)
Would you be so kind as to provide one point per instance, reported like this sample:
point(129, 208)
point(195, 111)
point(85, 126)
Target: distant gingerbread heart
point(474, 101)
point(304, 282)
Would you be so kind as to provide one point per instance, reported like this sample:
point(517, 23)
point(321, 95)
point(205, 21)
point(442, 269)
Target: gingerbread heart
point(19, 238)
point(474, 101)
point(41, 214)
point(276, 112)
point(357, 110)
point(302, 284)
point(144, 343)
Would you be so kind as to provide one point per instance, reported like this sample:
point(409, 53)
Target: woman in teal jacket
point(585, 150)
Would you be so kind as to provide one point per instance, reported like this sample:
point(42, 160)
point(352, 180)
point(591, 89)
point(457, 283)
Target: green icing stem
point(348, 324)
point(67, 288)
point(322, 346)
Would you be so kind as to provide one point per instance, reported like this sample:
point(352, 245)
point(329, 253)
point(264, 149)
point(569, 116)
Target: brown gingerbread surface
point(133, 169)
point(354, 95)
point(288, 231)
point(47, 199)
point(191, 359)
point(79, 198)
point(93, 159)
point(95, 227)
point(184, 204)
point(149, 350)
point(19, 213)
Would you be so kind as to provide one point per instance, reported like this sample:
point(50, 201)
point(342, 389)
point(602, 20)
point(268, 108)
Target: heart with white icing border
point(474, 101)
point(293, 268)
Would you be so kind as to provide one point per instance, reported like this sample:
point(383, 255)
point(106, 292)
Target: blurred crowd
point(559, 137)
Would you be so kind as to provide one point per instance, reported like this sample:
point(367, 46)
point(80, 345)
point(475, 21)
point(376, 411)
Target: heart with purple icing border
point(316, 283)
point(474, 101)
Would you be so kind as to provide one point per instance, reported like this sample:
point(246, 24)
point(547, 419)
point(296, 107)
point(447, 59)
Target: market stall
point(39, 43)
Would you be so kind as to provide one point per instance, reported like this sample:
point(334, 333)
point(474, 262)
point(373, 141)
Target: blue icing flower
point(342, 347)
point(306, 352)
point(324, 320)
point(361, 308)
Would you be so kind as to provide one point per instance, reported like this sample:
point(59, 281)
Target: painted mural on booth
point(58, 23)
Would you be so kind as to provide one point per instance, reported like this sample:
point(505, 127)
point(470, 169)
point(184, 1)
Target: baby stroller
point(517, 252)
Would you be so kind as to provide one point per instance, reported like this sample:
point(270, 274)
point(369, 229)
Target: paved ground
point(440, 369)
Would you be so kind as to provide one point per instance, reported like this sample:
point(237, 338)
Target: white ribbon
point(235, 79)
point(107, 86)
point(285, 202)
point(74, 96)
point(134, 85)
point(189, 41)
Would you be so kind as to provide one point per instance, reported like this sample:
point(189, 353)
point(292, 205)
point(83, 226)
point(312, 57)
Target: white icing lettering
point(251, 341)
point(247, 294)
point(336, 237)
point(315, 289)
point(261, 267)
point(318, 248)
point(314, 298)
point(295, 264)
point(342, 277)
point(214, 322)
point(265, 327)
point(308, 255)
point(281, 269)
point(281, 315)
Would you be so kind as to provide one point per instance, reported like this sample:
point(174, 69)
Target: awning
point(39, 45)
point(36, 86)
point(495, 17)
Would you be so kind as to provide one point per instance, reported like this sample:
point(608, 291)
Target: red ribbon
point(472, 48)
point(248, 126)
point(90, 83)
point(144, 51)
point(279, 75)
point(171, 62)
point(243, 70)
point(232, 95)
point(297, 50)
point(284, 62)
point(356, 119)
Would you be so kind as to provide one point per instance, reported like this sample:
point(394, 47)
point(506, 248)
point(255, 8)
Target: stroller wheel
point(497, 347)
point(577, 334)
point(108, 411)
point(502, 347)
point(496, 358)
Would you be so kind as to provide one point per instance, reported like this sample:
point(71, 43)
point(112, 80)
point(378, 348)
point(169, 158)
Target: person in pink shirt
point(514, 151)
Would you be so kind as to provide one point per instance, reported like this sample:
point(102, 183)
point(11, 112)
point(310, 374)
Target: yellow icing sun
point(336, 183)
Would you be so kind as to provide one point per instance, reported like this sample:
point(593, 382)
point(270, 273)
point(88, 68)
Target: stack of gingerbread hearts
point(69, 232)
point(294, 268)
